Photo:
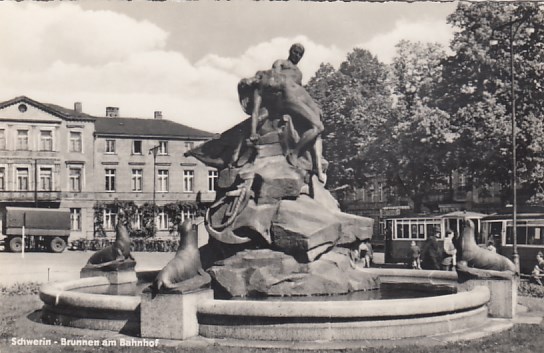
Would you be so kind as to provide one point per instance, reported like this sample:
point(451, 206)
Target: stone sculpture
point(271, 193)
point(480, 258)
point(116, 254)
point(184, 271)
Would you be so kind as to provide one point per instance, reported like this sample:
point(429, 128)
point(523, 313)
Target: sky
point(186, 58)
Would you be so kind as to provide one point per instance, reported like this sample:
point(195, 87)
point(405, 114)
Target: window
point(163, 147)
point(3, 144)
point(46, 179)
point(212, 179)
point(136, 222)
point(2, 178)
point(109, 219)
point(187, 214)
point(110, 146)
point(22, 179)
point(188, 176)
point(74, 180)
point(163, 180)
point(136, 147)
point(46, 140)
point(163, 220)
point(75, 141)
point(110, 179)
point(137, 179)
point(22, 140)
point(189, 145)
point(75, 218)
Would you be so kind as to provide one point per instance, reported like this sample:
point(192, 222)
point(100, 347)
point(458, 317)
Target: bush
point(25, 288)
point(527, 289)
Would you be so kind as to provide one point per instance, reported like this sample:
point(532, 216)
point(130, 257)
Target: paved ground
point(43, 267)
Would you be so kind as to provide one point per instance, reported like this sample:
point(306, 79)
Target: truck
point(44, 228)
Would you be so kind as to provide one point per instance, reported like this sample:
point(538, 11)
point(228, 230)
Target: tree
point(355, 101)
point(412, 147)
point(476, 93)
point(416, 71)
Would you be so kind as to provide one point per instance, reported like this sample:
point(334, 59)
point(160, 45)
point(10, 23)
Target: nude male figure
point(284, 80)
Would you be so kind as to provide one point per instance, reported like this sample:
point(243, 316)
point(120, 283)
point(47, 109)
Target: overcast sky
point(186, 58)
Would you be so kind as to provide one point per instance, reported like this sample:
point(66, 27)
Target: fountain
point(282, 261)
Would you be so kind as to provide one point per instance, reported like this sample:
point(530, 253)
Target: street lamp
point(514, 25)
point(154, 151)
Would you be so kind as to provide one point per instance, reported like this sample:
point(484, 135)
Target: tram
point(529, 234)
point(401, 231)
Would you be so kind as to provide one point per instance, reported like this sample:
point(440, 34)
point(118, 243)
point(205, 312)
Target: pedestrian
point(538, 271)
point(450, 252)
point(431, 254)
point(491, 246)
point(365, 253)
point(414, 256)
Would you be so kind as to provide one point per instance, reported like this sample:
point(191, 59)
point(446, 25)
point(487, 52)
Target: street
point(43, 267)
point(48, 267)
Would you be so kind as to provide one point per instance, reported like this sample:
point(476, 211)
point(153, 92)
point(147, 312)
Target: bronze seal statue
point(118, 251)
point(186, 263)
point(481, 258)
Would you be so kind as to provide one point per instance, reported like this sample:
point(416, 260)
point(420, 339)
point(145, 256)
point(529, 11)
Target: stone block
point(503, 291)
point(303, 224)
point(171, 315)
point(276, 180)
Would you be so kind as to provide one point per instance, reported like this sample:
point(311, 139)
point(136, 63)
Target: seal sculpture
point(481, 258)
point(119, 250)
point(185, 264)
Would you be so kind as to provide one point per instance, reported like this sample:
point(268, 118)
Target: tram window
point(406, 231)
point(402, 231)
point(521, 235)
point(534, 235)
point(509, 235)
point(431, 229)
point(421, 233)
point(496, 228)
point(414, 231)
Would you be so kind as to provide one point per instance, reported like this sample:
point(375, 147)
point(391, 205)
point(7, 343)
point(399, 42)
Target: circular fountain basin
point(320, 319)
point(82, 303)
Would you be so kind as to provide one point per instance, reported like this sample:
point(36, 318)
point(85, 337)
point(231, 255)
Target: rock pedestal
point(172, 314)
point(122, 272)
point(256, 273)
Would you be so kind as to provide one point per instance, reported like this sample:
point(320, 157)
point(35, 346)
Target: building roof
point(61, 112)
point(464, 214)
point(151, 128)
point(129, 127)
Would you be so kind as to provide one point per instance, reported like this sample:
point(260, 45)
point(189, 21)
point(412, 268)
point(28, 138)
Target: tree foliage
point(476, 91)
point(436, 113)
point(355, 101)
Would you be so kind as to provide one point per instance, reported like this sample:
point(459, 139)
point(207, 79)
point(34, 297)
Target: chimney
point(78, 108)
point(158, 114)
point(112, 112)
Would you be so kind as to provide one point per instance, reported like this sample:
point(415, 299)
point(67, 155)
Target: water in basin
point(386, 291)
